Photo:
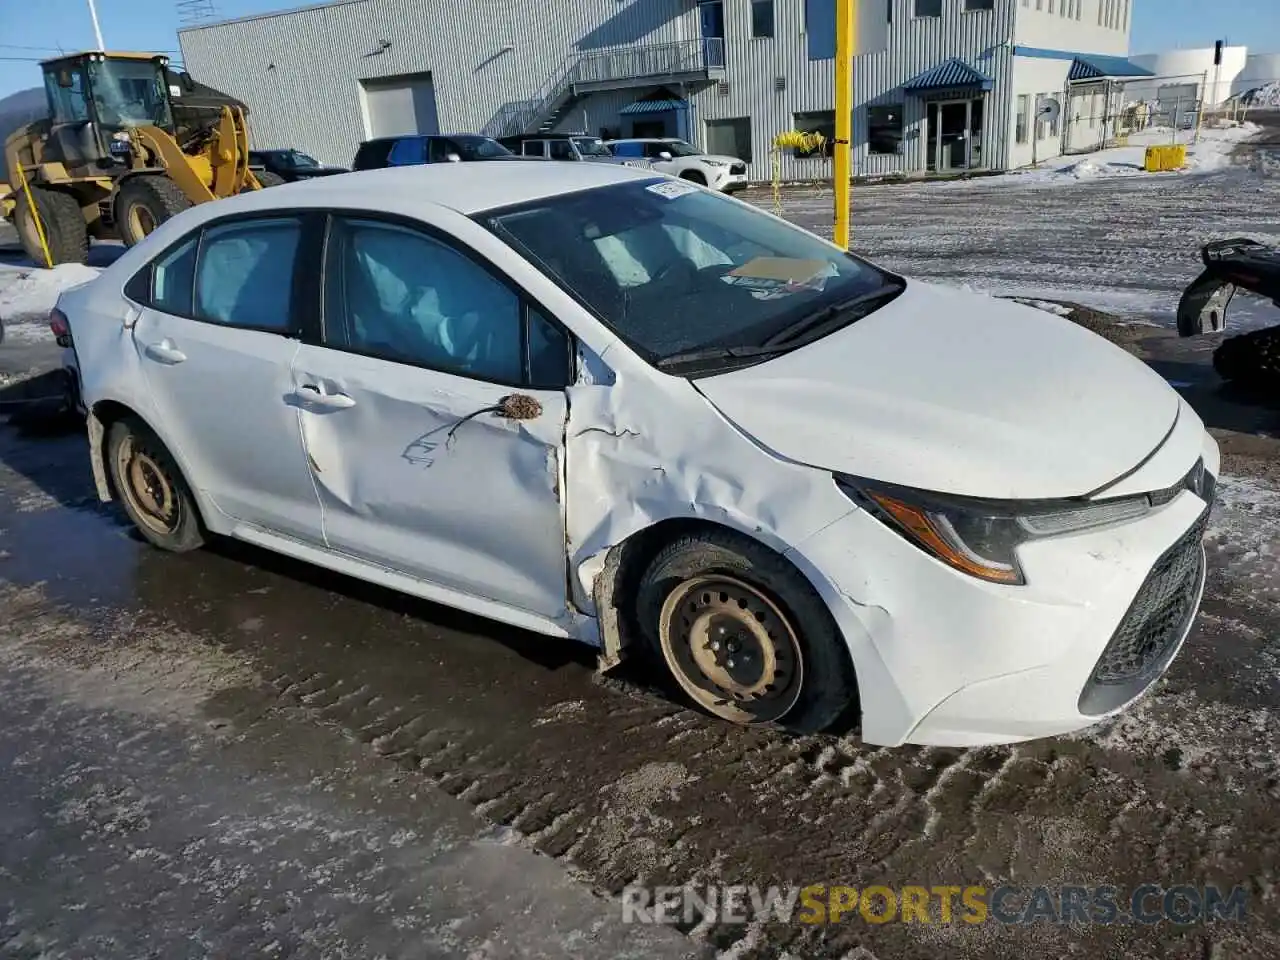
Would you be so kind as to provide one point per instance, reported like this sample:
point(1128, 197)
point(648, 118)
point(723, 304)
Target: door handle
point(310, 393)
point(165, 352)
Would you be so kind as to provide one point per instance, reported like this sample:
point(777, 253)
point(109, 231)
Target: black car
point(417, 148)
point(292, 165)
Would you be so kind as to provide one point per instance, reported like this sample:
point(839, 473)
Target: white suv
point(681, 159)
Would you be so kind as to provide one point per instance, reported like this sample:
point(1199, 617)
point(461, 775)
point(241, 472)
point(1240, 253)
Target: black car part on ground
point(1250, 359)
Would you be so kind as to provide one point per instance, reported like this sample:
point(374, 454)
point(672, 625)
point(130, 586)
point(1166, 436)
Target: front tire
point(744, 634)
point(693, 176)
point(65, 230)
point(151, 487)
point(144, 202)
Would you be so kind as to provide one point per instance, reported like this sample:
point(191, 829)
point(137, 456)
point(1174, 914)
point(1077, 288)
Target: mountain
point(17, 109)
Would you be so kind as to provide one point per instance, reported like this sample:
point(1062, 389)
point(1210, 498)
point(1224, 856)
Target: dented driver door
point(432, 454)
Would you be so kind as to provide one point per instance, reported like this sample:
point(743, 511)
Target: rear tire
point(269, 179)
point(151, 487)
point(144, 203)
point(64, 228)
point(744, 634)
point(693, 176)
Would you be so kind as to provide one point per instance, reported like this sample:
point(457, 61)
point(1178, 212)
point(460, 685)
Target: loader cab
point(94, 98)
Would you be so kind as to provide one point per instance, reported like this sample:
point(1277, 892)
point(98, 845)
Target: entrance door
point(954, 138)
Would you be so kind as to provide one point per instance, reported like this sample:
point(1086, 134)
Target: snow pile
point(27, 294)
point(1267, 96)
point(1046, 305)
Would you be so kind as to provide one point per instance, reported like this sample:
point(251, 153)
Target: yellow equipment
point(127, 145)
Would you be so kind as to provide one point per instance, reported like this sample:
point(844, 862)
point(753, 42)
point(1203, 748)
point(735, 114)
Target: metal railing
point(620, 63)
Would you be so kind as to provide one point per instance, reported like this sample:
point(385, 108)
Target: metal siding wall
point(915, 44)
point(312, 98)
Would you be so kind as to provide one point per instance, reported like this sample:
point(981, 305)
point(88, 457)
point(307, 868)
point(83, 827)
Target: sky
point(34, 29)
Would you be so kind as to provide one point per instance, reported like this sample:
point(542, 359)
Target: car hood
point(956, 393)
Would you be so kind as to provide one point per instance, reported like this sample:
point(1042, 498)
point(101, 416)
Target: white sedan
point(616, 407)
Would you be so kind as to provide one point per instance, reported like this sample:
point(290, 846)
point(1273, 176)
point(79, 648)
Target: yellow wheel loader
point(127, 144)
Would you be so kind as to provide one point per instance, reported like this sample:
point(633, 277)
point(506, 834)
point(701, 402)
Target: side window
point(406, 152)
point(535, 148)
point(628, 150)
point(399, 294)
point(654, 151)
point(173, 280)
point(561, 150)
point(244, 273)
point(68, 99)
point(440, 148)
point(549, 362)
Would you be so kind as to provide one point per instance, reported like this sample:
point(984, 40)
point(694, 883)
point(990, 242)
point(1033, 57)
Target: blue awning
point(953, 74)
point(1087, 66)
point(653, 106)
point(1094, 67)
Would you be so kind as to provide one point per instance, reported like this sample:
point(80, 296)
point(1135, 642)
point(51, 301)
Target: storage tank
point(1186, 69)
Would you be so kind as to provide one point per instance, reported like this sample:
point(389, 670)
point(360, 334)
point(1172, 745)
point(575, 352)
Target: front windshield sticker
point(771, 278)
point(671, 189)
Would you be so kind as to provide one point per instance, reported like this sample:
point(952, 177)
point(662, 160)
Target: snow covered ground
point(27, 294)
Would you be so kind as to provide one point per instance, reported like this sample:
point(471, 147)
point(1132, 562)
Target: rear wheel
point(744, 634)
point(268, 179)
point(145, 202)
point(65, 231)
point(693, 176)
point(151, 487)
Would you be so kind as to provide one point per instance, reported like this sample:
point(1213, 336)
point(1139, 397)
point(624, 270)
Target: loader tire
point(65, 231)
point(144, 203)
point(268, 179)
point(1251, 360)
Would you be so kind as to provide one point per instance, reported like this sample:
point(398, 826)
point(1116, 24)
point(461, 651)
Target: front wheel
point(144, 202)
point(151, 487)
point(744, 634)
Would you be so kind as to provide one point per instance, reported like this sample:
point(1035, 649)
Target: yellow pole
point(35, 217)
point(841, 151)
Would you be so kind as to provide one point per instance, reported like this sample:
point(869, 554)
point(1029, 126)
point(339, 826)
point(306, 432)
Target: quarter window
point(399, 294)
point(244, 273)
point(173, 280)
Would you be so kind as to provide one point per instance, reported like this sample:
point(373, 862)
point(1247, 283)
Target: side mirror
point(453, 158)
point(664, 155)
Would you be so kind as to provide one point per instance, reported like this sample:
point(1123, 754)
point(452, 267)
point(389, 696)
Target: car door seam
point(312, 467)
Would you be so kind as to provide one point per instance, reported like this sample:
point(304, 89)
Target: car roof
point(466, 188)
point(646, 140)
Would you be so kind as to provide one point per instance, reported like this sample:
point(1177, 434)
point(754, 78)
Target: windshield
point(130, 93)
point(673, 268)
point(678, 148)
point(592, 147)
point(480, 148)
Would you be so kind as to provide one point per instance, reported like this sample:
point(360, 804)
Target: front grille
point(737, 169)
point(1144, 643)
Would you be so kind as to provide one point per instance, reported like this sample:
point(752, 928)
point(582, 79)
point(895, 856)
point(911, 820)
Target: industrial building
point(954, 87)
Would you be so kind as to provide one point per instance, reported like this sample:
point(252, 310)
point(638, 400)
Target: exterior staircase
point(679, 61)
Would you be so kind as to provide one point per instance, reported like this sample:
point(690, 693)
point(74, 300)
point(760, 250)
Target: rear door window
point(535, 148)
point(407, 152)
point(562, 150)
point(244, 273)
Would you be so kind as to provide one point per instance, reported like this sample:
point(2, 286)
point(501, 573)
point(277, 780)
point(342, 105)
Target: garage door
point(400, 105)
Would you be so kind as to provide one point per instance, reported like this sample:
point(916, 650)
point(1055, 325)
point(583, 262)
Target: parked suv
point(427, 148)
point(682, 159)
point(292, 165)
point(566, 146)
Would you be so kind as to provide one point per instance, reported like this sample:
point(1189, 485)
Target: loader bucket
point(1203, 308)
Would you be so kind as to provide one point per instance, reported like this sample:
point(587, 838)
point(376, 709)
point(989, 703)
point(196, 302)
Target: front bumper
point(945, 659)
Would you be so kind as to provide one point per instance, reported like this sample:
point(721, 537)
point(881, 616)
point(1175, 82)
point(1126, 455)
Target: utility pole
point(842, 158)
point(97, 30)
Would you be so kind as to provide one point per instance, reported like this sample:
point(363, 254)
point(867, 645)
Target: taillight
point(60, 327)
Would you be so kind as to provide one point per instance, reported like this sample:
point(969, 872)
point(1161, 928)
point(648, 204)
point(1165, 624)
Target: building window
point(889, 10)
point(817, 121)
point(979, 4)
point(731, 138)
point(762, 18)
point(1024, 117)
point(928, 8)
point(884, 128)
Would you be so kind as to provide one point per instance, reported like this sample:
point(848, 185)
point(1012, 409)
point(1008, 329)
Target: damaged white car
point(611, 406)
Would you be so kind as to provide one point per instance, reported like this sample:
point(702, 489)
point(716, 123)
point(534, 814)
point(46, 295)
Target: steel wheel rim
point(27, 226)
point(141, 222)
point(732, 649)
point(148, 488)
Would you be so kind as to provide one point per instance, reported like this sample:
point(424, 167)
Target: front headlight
point(715, 163)
point(981, 537)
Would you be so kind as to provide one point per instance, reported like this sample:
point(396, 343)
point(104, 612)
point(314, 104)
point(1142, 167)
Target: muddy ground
point(229, 754)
